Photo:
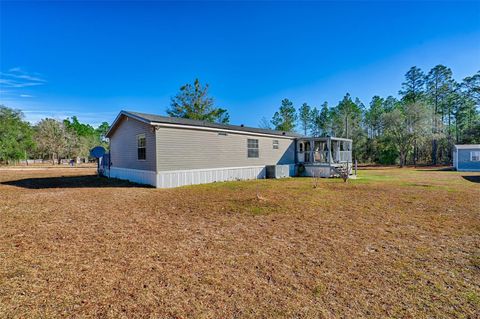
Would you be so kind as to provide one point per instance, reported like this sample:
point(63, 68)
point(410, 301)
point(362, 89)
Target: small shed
point(466, 157)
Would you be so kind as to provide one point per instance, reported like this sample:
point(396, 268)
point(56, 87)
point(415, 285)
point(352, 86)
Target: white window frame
point(276, 144)
point(251, 143)
point(475, 156)
point(139, 136)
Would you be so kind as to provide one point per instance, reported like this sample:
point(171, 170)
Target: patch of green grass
point(256, 210)
point(363, 178)
point(473, 298)
point(215, 185)
point(318, 290)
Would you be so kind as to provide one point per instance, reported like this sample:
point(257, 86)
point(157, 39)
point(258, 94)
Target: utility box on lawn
point(278, 171)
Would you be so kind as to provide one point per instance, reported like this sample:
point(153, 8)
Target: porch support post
point(338, 151)
point(350, 148)
point(329, 145)
point(295, 150)
point(312, 145)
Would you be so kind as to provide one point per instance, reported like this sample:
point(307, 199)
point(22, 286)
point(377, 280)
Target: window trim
point(249, 148)
point(139, 136)
point(275, 144)
point(476, 155)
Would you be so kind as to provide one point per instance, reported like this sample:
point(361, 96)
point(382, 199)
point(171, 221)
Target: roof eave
point(192, 126)
point(117, 120)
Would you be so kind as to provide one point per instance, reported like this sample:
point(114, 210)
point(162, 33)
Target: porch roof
point(324, 138)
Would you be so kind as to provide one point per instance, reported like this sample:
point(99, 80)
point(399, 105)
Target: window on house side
point(275, 144)
point(141, 147)
point(475, 156)
point(252, 146)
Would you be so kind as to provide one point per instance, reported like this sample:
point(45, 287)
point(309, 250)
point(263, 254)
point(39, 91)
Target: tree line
point(48, 139)
point(433, 112)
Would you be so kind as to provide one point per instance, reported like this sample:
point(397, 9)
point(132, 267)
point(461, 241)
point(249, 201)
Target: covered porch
point(324, 150)
point(322, 156)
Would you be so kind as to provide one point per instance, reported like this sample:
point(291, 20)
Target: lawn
point(394, 243)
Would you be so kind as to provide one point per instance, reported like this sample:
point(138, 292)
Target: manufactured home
point(169, 152)
point(466, 157)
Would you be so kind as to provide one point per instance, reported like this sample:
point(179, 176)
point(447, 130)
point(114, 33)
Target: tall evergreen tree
point(373, 117)
point(471, 85)
point(284, 119)
point(403, 124)
point(438, 87)
point(413, 88)
point(305, 117)
point(321, 124)
point(347, 116)
point(314, 114)
point(324, 120)
point(390, 103)
point(470, 88)
point(347, 122)
point(373, 125)
point(193, 102)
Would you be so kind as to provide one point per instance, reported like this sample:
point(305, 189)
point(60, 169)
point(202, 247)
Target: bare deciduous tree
point(52, 138)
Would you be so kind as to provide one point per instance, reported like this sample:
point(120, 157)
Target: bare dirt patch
point(393, 243)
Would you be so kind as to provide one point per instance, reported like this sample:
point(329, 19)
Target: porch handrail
point(344, 156)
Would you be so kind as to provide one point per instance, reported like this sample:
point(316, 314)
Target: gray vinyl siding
point(464, 162)
point(183, 149)
point(123, 145)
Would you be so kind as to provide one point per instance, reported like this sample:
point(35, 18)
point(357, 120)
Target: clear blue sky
point(93, 59)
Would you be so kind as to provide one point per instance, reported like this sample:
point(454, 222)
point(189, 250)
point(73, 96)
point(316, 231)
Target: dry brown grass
point(392, 244)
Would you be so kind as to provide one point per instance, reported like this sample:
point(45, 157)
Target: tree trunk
point(346, 126)
point(456, 131)
point(402, 159)
point(415, 152)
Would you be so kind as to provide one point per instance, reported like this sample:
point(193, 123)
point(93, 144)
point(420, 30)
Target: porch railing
point(313, 157)
point(322, 157)
point(342, 156)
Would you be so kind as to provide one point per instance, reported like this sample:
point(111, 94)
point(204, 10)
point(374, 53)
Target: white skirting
point(169, 179)
point(317, 171)
point(133, 175)
point(323, 171)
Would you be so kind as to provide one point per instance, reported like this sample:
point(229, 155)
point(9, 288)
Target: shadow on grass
point(473, 178)
point(91, 181)
point(440, 169)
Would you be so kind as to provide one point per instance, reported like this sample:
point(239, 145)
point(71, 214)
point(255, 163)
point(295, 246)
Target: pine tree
point(284, 119)
point(413, 89)
point(438, 81)
point(305, 117)
point(193, 102)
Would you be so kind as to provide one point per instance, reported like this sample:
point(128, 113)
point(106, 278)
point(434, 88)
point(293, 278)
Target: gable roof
point(153, 119)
